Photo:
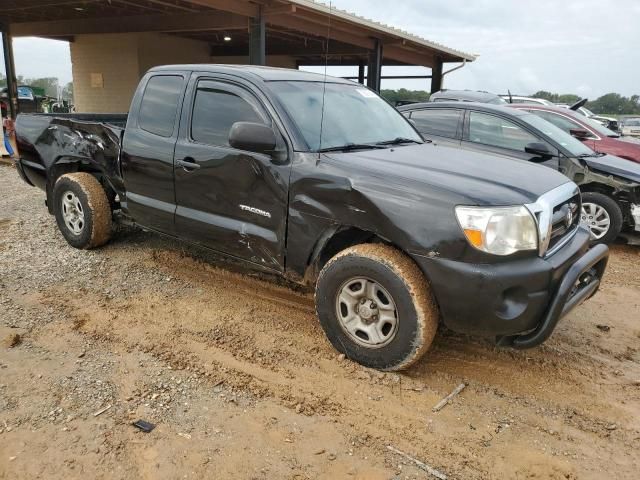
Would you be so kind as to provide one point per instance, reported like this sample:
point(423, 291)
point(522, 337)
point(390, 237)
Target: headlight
point(499, 230)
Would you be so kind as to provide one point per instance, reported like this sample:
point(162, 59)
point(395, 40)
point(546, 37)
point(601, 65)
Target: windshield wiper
point(350, 147)
point(398, 141)
point(591, 155)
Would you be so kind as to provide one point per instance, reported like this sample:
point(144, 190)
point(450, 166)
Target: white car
point(609, 122)
point(631, 127)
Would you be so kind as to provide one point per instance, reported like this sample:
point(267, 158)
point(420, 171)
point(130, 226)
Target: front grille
point(565, 220)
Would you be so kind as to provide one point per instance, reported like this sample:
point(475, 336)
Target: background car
point(579, 107)
point(467, 96)
point(610, 186)
point(591, 133)
point(631, 127)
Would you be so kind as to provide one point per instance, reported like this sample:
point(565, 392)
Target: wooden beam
point(170, 4)
point(408, 56)
point(283, 10)
point(239, 7)
point(293, 50)
point(307, 22)
point(183, 22)
point(436, 76)
point(295, 22)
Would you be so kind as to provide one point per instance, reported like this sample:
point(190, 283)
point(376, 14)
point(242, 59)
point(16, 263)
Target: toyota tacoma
point(320, 180)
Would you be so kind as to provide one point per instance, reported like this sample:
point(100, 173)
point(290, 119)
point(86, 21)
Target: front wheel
point(82, 210)
point(602, 216)
point(376, 307)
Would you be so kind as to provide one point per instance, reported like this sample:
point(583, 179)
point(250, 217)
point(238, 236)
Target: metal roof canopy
point(309, 31)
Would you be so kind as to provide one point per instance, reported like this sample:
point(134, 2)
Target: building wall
point(114, 58)
point(107, 67)
point(157, 49)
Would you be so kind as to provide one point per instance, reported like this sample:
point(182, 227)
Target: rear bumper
point(518, 302)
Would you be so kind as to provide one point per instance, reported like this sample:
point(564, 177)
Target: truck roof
point(267, 74)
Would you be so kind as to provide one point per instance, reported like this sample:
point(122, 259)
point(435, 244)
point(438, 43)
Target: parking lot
point(238, 377)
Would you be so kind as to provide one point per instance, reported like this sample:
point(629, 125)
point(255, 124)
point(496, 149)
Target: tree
point(403, 94)
point(568, 98)
point(614, 103)
point(48, 84)
point(67, 92)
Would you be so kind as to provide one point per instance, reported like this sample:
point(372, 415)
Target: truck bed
point(48, 140)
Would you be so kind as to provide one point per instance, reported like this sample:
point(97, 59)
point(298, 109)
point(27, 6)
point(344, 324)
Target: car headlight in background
point(499, 230)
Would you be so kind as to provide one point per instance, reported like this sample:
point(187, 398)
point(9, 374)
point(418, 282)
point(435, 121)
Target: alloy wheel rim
point(72, 212)
point(367, 312)
point(596, 219)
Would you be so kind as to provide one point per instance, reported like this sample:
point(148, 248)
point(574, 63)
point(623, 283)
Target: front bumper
point(518, 302)
point(635, 213)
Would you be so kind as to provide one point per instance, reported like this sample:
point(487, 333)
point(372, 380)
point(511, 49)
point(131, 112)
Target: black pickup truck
point(320, 180)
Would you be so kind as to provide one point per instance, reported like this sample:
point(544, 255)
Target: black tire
point(416, 310)
point(94, 229)
point(612, 209)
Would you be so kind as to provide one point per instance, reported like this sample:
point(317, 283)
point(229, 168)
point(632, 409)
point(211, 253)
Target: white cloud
point(39, 57)
point(580, 46)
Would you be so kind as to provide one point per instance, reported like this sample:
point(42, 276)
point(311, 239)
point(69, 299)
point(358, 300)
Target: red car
point(590, 132)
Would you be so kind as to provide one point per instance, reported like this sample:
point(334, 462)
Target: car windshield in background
point(353, 115)
point(587, 112)
point(632, 123)
point(572, 145)
point(498, 101)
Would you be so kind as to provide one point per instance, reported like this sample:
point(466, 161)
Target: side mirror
point(540, 149)
point(580, 133)
point(252, 137)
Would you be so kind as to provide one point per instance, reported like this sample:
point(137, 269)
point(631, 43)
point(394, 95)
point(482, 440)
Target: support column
point(361, 71)
point(375, 67)
point(257, 40)
point(10, 70)
point(436, 76)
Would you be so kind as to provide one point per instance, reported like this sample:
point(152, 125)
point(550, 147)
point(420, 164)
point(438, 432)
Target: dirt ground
point(238, 377)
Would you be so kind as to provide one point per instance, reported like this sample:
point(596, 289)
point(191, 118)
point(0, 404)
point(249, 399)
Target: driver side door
point(230, 200)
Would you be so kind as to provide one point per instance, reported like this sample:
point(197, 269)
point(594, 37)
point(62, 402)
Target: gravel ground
point(241, 383)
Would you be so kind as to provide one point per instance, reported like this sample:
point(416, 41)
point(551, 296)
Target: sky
point(586, 47)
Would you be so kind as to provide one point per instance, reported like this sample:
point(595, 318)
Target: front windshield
point(353, 115)
point(586, 112)
point(560, 137)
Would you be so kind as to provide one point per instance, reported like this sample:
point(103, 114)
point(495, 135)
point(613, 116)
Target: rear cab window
point(159, 104)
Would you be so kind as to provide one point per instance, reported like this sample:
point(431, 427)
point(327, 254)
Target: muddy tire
point(376, 307)
point(602, 216)
point(82, 210)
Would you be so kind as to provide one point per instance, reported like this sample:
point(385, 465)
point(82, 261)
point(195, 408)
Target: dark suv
point(610, 185)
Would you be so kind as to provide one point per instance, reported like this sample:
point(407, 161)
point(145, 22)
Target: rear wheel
point(376, 307)
point(602, 216)
point(82, 210)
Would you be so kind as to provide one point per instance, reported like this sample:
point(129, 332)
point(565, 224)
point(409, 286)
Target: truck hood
point(617, 166)
point(475, 178)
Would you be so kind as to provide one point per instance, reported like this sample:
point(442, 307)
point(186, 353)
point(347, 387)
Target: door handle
point(188, 164)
